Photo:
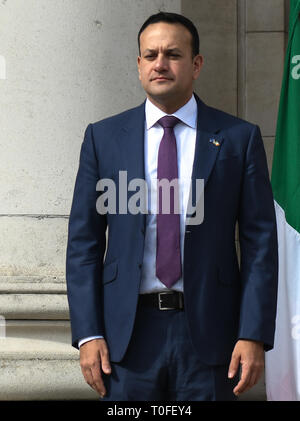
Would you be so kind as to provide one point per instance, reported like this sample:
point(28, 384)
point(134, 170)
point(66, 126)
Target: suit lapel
point(131, 149)
point(208, 145)
point(206, 151)
point(131, 143)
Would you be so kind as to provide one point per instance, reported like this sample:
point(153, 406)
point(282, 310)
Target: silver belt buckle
point(160, 301)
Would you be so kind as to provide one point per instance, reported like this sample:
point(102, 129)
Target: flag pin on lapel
point(214, 142)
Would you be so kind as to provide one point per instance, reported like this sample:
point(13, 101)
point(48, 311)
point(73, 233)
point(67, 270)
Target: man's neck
point(169, 108)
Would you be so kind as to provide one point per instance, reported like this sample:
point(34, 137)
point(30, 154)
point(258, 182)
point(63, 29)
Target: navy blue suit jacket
point(224, 300)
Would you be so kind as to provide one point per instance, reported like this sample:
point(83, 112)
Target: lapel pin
point(214, 141)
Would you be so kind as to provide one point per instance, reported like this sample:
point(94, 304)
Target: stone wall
point(64, 64)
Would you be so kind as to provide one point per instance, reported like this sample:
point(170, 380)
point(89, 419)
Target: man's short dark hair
point(173, 18)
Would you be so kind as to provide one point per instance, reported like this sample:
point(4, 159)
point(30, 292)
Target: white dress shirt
point(185, 133)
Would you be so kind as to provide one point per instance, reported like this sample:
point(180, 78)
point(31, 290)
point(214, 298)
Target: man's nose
point(161, 63)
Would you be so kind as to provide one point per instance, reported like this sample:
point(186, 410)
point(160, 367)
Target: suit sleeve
point(85, 248)
point(258, 246)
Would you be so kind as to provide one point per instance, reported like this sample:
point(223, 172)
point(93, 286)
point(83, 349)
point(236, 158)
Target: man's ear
point(138, 66)
point(198, 61)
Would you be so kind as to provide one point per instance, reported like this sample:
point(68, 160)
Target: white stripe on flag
point(283, 362)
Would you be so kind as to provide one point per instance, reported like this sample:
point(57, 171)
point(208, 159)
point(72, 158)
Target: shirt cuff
point(89, 338)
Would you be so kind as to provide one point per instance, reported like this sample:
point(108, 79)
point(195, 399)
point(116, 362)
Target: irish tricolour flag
point(283, 362)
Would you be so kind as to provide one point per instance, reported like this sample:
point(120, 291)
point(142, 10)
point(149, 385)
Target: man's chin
point(161, 92)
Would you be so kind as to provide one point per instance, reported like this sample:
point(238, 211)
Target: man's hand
point(93, 356)
point(250, 354)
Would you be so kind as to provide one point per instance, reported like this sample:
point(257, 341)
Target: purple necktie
point(168, 260)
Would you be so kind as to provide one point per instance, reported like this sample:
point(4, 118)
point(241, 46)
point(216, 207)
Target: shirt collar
point(187, 114)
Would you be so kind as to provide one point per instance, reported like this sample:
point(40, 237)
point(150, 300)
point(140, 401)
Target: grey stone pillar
point(63, 64)
point(263, 46)
point(217, 23)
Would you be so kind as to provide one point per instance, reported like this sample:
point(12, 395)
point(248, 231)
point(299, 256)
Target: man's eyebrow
point(148, 50)
point(168, 50)
point(174, 50)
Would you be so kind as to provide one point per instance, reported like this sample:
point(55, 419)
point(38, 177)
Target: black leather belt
point(167, 300)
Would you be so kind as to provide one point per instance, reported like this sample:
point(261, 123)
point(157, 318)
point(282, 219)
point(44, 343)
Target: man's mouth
point(161, 78)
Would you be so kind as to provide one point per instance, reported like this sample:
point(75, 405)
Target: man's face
point(166, 66)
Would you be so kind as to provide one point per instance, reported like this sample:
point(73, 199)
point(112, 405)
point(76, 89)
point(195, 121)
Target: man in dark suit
point(159, 307)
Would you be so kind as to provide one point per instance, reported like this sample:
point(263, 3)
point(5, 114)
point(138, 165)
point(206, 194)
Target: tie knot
point(168, 121)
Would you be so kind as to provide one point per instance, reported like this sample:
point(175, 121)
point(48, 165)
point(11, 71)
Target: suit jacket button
point(140, 266)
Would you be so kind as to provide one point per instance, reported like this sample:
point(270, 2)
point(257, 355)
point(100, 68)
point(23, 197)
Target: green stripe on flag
point(286, 161)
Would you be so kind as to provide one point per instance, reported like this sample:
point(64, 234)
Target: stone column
point(261, 58)
point(63, 64)
point(216, 22)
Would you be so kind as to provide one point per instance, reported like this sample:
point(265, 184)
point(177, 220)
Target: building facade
point(64, 64)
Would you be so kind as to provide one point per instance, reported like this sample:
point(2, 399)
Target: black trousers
point(161, 364)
